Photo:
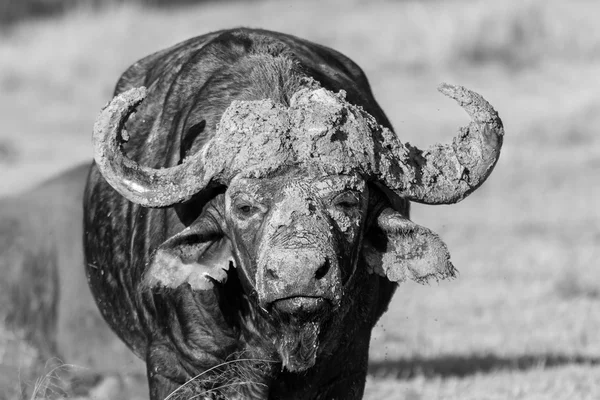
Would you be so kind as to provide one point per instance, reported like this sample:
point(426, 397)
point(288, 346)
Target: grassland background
point(522, 320)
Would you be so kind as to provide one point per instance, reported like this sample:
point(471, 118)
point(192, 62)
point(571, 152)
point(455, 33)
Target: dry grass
point(521, 320)
point(221, 381)
point(52, 383)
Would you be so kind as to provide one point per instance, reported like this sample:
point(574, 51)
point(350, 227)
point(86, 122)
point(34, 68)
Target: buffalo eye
point(245, 210)
point(347, 201)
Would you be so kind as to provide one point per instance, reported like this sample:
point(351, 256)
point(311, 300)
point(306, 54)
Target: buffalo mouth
point(302, 307)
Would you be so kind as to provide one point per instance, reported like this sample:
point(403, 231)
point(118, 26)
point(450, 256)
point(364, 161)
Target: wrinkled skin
point(295, 235)
point(297, 249)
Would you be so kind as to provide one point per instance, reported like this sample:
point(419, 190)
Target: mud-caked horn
point(445, 174)
point(140, 184)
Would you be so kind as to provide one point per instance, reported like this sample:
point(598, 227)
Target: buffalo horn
point(139, 184)
point(446, 174)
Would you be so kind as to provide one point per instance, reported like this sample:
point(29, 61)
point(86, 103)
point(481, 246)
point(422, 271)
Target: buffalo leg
point(165, 373)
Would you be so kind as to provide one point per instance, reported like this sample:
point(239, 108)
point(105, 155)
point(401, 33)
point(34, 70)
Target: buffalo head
point(308, 206)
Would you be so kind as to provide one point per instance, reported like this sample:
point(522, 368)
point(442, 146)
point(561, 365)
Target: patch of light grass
point(519, 33)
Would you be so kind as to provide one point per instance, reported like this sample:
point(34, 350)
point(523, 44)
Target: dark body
point(180, 332)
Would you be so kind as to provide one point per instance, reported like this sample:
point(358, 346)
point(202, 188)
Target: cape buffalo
point(253, 213)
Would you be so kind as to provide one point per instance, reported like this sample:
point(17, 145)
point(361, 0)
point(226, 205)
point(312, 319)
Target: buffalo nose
point(302, 272)
point(320, 272)
point(299, 267)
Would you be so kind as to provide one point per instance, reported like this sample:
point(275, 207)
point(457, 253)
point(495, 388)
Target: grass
point(223, 380)
point(521, 320)
point(571, 286)
point(51, 384)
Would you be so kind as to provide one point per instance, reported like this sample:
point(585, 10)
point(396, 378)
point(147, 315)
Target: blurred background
point(522, 320)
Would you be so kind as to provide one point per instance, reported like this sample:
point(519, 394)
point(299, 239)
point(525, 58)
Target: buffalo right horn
point(446, 174)
point(139, 184)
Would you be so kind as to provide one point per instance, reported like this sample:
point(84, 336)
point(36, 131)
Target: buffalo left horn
point(446, 174)
point(143, 185)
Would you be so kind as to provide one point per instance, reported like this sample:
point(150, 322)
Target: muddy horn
point(446, 174)
point(146, 186)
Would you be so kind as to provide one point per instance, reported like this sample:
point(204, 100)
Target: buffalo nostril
point(271, 274)
point(322, 271)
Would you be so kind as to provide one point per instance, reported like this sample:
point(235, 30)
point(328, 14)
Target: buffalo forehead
point(250, 138)
point(302, 185)
point(319, 130)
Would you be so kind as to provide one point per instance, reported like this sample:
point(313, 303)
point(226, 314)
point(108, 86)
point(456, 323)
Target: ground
point(521, 319)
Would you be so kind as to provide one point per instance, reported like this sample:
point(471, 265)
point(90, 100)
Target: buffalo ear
point(398, 249)
point(199, 255)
